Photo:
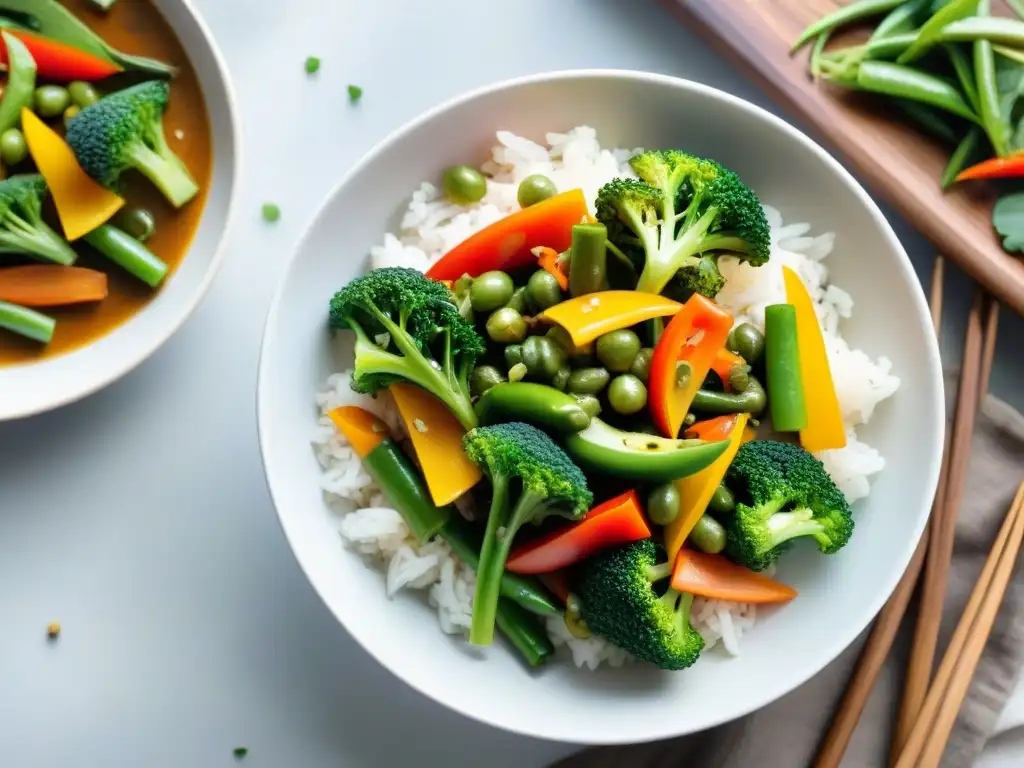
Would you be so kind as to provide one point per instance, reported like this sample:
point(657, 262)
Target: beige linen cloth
point(786, 734)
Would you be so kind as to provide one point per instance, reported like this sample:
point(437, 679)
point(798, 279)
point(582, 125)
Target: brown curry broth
point(138, 28)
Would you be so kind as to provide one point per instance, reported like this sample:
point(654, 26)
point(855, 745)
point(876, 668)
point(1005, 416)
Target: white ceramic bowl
point(41, 386)
point(838, 595)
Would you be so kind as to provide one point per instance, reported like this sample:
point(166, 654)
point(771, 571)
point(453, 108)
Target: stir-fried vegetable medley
point(75, 114)
point(612, 426)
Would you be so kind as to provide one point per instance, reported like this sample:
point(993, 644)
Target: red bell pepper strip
point(547, 259)
point(723, 363)
point(508, 244)
point(617, 521)
point(1010, 167)
point(557, 583)
point(712, 430)
point(713, 576)
point(695, 335)
point(62, 62)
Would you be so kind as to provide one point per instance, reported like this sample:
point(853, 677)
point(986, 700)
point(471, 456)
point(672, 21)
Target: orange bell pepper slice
point(547, 259)
point(363, 430)
point(724, 362)
point(617, 521)
point(695, 335)
point(508, 244)
point(713, 576)
point(711, 430)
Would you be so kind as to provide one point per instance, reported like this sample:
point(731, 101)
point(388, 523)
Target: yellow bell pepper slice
point(593, 315)
point(437, 439)
point(363, 430)
point(825, 429)
point(82, 204)
point(695, 491)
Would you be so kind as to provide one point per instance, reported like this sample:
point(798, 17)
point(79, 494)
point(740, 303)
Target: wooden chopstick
point(879, 642)
point(942, 531)
point(988, 354)
point(931, 732)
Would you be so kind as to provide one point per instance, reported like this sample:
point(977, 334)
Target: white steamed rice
point(431, 226)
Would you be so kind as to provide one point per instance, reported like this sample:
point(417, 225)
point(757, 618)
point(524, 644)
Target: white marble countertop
point(139, 518)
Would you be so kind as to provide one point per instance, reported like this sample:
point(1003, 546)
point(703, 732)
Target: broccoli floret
point(619, 601)
point(682, 208)
point(531, 479)
point(22, 229)
point(125, 130)
point(783, 493)
point(407, 329)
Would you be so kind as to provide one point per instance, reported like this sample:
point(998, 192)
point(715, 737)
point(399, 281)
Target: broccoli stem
point(784, 526)
point(167, 172)
point(679, 603)
point(663, 262)
point(658, 572)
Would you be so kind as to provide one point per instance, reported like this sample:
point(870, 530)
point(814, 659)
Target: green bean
point(490, 291)
point(128, 253)
point(995, 29)
point(848, 14)
point(543, 290)
point(708, 535)
point(817, 52)
point(752, 400)
point(782, 365)
point(901, 19)
point(930, 120)
point(641, 367)
point(26, 322)
point(588, 264)
point(988, 96)
point(590, 405)
point(526, 634)
point(21, 82)
point(533, 403)
point(962, 156)
point(747, 341)
point(907, 83)
point(663, 504)
point(506, 326)
point(542, 357)
point(1017, 6)
point(723, 502)
point(931, 30)
point(483, 378)
point(964, 75)
point(513, 354)
point(588, 381)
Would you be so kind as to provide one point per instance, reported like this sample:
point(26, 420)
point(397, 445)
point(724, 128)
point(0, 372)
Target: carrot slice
point(699, 573)
point(50, 285)
point(547, 259)
point(617, 521)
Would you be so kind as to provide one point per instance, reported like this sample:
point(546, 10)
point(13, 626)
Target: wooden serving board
point(895, 160)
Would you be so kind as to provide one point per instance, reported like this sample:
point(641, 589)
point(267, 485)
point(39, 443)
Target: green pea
point(561, 378)
point(70, 113)
point(683, 371)
point(723, 502)
point(535, 189)
point(83, 94)
point(739, 378)
point(517, 372)
point(577, 355)
point(506, 326)
point(13, 147)
point(689, 420)
point(464, 185)
point(708, 535)
point(627, 394)
point(617, 350)
point(747, 342)
point(588, 381)
point(641, 367)
point(590, 405)
point(513, 354)
point(663, 504)
point(542, 357)
point(518, 301)
point(51, 100)
point(543, 290)
point(138, 222)
point(483, 378)
point(490, 291)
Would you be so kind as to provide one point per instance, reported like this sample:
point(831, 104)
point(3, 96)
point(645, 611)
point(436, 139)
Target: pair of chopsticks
point(922, 706)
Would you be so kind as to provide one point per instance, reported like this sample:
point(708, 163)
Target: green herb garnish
point(312, 65)
point(355, 93)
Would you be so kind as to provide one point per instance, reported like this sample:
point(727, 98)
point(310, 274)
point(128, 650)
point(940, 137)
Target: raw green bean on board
point(1017, 6)
point(962, 156)
point(26, 322)
point(588, 264)
point(21, 82)
point(903, 18)
point(890, 79)
point(128, 253)
point(931, 30)
point(848, 14)
point(995, 29)
point(525, 633)
point(1012, 54)
point(816, 53)
point(964, 75)
point(989, 109)
point(786, 400)
point(930, 120)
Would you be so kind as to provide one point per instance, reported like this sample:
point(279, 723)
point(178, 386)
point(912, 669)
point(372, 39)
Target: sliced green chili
point(964, 75)
point(21, 82)
point(907, 83)
point(26, 322)
point(848, 14)
point(961, 157)
point(931, 31)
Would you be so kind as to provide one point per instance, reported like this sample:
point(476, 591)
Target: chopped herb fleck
point(312, 65)
point(355, 93)
point(240, 752)
point(271, 212)
point(53, 630)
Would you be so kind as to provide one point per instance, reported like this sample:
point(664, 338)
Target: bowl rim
point(840, 641)
point(118, 372)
